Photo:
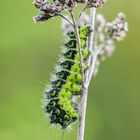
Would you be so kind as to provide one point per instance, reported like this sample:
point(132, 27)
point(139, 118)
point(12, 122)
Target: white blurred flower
point(100, 23)
point(117, 29)
point(84, 19)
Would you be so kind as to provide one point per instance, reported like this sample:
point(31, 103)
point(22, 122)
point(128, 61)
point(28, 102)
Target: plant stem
point(92, 64)
point(84, 8)
point(79, 48)
point(59, 14)
point(83, 101)
point(81, 123)
point(90, 44)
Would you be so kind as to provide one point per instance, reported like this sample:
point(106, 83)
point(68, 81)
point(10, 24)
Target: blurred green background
point(28, 53)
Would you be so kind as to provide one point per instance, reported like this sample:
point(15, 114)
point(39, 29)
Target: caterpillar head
point(84, 31)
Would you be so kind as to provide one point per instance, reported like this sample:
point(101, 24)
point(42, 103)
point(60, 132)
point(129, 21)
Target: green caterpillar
point(67, 81)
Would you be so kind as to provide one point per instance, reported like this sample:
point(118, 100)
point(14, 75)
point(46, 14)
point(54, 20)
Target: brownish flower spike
point(96, 3)
point(47, 10)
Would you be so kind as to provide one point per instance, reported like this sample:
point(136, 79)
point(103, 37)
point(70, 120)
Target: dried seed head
point(96, 3)
point(117, 29)
point(48, 10)
point(107, 51)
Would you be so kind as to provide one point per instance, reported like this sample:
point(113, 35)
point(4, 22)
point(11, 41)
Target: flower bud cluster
point(96, 3)
point(99, 23)
point(108, 32)
point(48, 10)
point(117, 29)
point(43, 15)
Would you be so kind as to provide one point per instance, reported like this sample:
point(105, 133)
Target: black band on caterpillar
point(74, 54)
point(59, 104)
point(69, 76)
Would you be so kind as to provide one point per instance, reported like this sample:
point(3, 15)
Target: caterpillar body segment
point(66, 85)
point(66, 81)
point(72, 65)
point(83, 32)
point(74, 54)
point(69, 76)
